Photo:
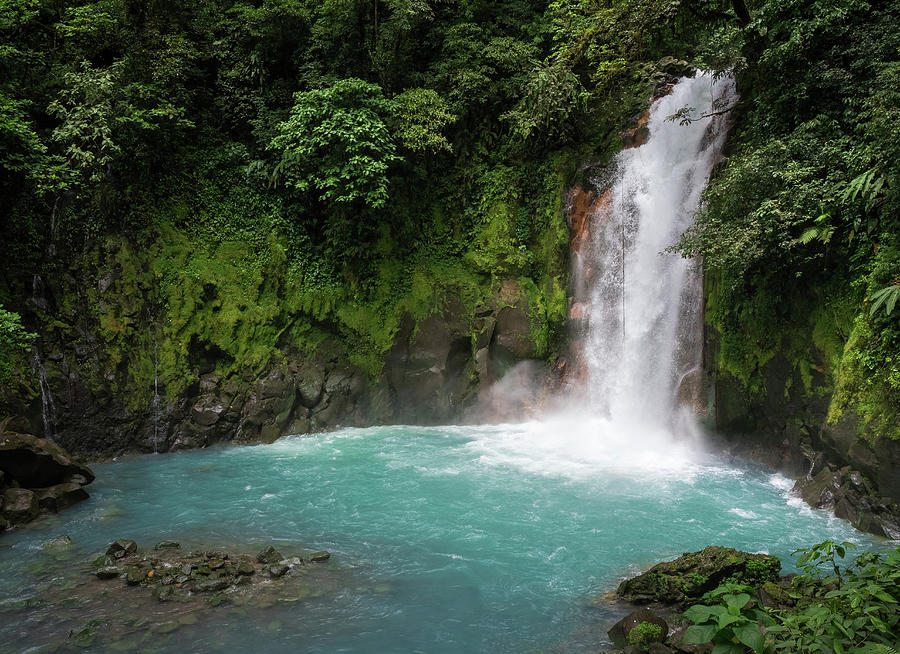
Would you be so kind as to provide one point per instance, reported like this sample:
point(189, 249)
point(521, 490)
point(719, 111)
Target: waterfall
point(640, 306)
point(48, 408)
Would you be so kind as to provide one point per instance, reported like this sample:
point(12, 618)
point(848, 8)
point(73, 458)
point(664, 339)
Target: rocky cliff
point(106, 388)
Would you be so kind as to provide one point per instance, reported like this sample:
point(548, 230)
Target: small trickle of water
point(48, 407)
point(644, 344)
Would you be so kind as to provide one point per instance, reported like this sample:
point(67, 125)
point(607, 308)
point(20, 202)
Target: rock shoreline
point(173, 574)
point(132, 598)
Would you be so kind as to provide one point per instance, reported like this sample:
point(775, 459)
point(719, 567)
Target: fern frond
point(886, 296)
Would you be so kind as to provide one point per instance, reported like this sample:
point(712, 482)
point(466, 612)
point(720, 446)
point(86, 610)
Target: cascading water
point(642, 306)
point(48, 406)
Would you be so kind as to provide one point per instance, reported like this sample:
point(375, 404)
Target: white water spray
point(643, 305)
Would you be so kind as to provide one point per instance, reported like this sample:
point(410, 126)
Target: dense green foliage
point(235, 178)
point(283, 170)
point(801, 225)
point(831, 609)
point(14, 343)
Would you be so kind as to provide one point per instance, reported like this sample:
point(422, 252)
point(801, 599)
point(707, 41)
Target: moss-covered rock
point(691, 575)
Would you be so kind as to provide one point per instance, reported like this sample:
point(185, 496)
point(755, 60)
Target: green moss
point(643, 634)
point(860, 390)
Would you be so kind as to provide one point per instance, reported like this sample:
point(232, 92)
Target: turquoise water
point(450, 539)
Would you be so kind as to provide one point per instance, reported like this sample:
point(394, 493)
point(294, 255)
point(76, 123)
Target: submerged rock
point(110, 572)
point(213, 584)
point(694, 573)
point(58, 544)
point(269, 555)
point(172, 574)
point(166, 545)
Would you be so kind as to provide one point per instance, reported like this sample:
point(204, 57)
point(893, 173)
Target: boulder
point(618, 634)
point(121, 548)
point(37, 462)
point(278, 570)
point(61, 496)
point(688, 577)
point(269, 555)
point(852, 497)
point(134, 575)
point(20, 505)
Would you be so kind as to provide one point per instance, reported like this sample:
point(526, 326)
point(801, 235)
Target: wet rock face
point(853, 497)
point(37, 476)
point(791, 433)
point(684, 580)
point(436, 368)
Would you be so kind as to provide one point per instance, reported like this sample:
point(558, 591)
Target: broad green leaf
point(699, 634)
point(737, 601)
point(727, 648)
point(698, 613)
point(727, 619)
point(751, 635)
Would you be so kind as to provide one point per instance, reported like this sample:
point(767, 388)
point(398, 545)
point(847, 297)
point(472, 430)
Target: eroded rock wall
point(435, 371)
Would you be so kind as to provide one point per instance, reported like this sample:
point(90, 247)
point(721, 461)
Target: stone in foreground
point(687, 578)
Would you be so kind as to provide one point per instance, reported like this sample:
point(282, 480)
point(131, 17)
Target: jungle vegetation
point(251, 169)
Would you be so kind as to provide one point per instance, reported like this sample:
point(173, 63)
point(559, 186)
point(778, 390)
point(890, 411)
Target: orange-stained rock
point(586, 211)
point(578, 311)
point(637, 135)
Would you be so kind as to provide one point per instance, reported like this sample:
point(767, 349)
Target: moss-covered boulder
point(655, 629)
point(688, 577)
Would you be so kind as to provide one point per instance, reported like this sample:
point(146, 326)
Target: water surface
point(448, 539)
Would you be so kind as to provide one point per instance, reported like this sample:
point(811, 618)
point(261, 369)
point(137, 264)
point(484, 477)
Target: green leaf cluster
point(852, 609)
point(15, 342)
point(802, 218)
